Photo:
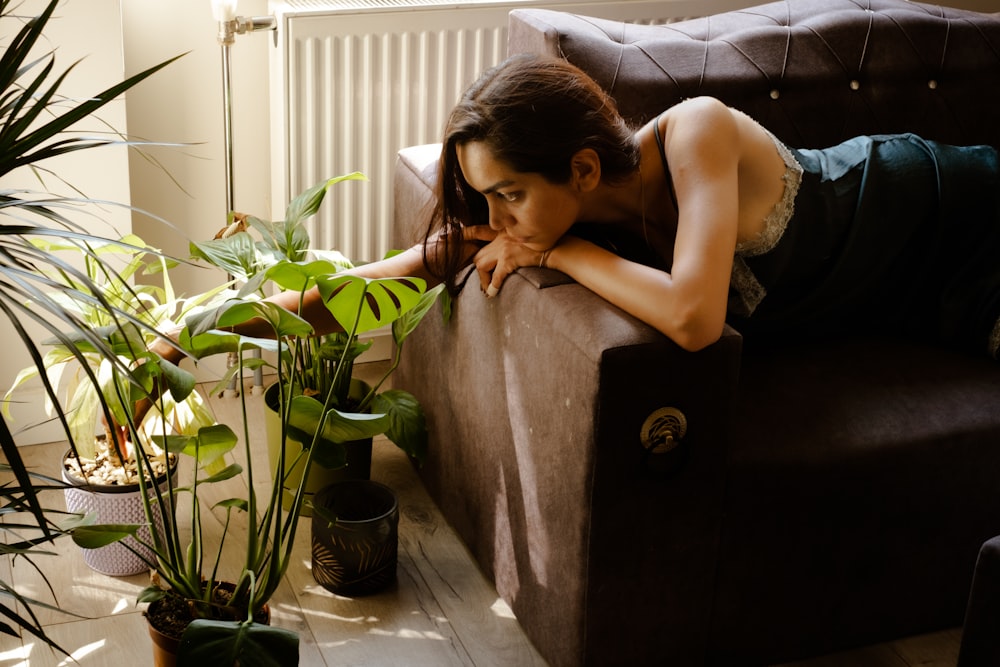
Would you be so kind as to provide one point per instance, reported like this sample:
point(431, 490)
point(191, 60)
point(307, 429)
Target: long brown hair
point(534, 113)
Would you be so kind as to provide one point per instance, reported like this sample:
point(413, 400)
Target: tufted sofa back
point(814, 72)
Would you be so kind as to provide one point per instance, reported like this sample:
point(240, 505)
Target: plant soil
point(100, 471)
point(172, 613)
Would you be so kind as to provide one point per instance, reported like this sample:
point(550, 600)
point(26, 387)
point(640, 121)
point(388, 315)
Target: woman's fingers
point(486, 262)
point(484, 258)
point(500, 258)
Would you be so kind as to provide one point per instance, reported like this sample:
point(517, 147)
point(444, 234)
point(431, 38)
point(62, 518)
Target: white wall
point(184, 103)
point(186, 187)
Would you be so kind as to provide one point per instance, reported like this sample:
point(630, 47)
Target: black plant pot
point(356, 553)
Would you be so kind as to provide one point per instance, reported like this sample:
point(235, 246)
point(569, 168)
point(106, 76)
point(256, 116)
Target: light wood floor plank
point(401, 626)
point(103, 642)
point(486, 625)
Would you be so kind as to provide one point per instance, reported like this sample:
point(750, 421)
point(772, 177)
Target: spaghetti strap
point(663, 159)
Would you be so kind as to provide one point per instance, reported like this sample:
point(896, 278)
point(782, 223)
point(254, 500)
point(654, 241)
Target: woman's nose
point(496, 219)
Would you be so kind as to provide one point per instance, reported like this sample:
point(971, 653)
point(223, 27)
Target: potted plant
point(101, 472)
point(35, 127)
point(355, 537)
point(187, 576)
point(319, 367)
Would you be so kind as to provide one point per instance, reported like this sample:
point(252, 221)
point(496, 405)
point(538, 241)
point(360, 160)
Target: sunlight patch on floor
point(20, 653)
point(407, 634)
point(328, 616)
point(82, 652)
point(501, 609)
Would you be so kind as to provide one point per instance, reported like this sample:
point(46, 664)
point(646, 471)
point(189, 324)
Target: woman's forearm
point(687, 314)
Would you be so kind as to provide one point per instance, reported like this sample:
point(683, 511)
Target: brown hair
point(534, 113)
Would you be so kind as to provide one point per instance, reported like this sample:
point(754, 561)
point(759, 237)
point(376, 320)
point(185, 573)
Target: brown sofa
point(827, 492)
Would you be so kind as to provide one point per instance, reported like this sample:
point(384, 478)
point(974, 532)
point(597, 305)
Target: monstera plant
point(316, 373)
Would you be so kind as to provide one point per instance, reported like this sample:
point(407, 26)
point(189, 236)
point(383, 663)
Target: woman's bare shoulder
point(698, 115)
point(698, 128)
point(701, 103)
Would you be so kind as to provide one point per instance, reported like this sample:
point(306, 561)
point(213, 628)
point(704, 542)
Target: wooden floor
point(442, 612)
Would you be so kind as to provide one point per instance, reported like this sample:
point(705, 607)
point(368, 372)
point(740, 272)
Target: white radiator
point(353, 81)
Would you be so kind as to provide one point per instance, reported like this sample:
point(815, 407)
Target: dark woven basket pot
point(356, 554)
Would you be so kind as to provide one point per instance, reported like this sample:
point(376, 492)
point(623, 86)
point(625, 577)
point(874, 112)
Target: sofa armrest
point(413, 193)
point(536, 400)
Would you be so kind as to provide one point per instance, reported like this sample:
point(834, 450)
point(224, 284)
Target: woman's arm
point(703, 150)
point(409, 263)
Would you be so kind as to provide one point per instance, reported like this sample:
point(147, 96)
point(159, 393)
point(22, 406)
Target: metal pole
point(226, 40)
point(227, 36)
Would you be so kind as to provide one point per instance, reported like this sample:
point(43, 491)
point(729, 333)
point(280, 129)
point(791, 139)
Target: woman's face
point(532, 210)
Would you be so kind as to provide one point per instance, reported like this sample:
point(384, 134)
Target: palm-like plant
point(136, 316)
point(35, 126)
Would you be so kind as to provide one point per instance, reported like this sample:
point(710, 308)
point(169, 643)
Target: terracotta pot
point(359, 456)
point(115, 504)
point(356, 554)
point(165, 646)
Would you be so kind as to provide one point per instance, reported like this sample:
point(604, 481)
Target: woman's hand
point(501, 256)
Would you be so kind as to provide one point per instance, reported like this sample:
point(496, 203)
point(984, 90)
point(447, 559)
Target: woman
point(892, 232)
point(702, 215)
point(536, 146)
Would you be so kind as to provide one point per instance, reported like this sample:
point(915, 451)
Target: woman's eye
point(508, 196)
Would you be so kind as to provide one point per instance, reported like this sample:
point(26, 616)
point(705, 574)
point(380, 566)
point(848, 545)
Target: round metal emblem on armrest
point(662, 431)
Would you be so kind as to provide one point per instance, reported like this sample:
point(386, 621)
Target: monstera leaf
point(247, 644)
point(363, 304)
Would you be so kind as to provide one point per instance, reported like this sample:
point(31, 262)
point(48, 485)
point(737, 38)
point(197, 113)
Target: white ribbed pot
point(115, 505)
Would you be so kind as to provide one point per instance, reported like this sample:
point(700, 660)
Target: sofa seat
point(862, 480)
